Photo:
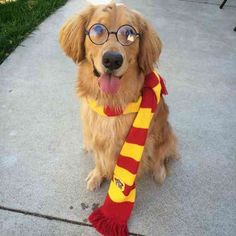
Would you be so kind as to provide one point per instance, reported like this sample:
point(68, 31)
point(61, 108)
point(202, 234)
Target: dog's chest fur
point(105, 134)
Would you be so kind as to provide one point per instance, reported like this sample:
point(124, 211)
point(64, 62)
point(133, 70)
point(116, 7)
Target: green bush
point(19, 18)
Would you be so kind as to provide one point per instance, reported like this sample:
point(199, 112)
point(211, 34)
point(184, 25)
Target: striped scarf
point(111, 219)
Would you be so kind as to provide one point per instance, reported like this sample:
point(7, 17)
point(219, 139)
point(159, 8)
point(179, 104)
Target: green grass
point(18, 19)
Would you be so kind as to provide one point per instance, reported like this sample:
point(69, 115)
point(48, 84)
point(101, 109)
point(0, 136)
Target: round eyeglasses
point(99, 34)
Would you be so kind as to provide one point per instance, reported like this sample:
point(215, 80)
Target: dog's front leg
point(104, 167)
point(96, 176)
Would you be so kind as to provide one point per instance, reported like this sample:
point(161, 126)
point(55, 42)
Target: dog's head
point(113, 42)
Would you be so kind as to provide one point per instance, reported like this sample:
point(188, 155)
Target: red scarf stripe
point(163, 86)
point(112, 112)
point(151, 80)
point(128, 163)
point(137, 136)
point(149, 100)
point(119, 209)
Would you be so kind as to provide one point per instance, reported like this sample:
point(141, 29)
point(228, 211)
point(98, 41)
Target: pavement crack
point(49, 217)
point(44, 216)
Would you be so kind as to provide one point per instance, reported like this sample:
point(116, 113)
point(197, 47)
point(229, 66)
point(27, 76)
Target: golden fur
point(104, 136)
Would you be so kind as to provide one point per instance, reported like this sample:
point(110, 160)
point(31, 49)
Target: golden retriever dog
point(114, 48)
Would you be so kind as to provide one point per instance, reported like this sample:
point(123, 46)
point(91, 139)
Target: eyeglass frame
point(87, 32)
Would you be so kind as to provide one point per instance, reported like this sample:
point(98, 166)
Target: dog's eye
point(98, 34)
point(126, 35)
point(98, 29)
point(129, 32)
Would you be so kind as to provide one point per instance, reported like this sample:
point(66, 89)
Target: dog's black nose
point(112, 60)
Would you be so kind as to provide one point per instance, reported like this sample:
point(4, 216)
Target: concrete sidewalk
point(43, 167)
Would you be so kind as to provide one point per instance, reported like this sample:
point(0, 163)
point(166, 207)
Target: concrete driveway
point(43, 167)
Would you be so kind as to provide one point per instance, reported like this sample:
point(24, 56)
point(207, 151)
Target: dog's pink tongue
point(109, 84)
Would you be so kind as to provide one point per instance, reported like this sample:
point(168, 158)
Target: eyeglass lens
point(126, 35)
point(98, 34)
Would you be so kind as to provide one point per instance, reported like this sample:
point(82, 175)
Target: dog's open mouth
point(109, 83)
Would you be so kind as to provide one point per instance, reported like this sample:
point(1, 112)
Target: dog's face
point(114, 41)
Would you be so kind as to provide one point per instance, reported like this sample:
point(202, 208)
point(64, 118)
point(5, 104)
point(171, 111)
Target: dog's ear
point(72, 35)
point(149, 46)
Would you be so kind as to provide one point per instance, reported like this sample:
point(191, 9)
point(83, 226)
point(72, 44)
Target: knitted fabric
point(111, 219)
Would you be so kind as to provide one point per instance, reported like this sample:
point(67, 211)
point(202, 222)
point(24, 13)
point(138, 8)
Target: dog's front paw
point(94, 180)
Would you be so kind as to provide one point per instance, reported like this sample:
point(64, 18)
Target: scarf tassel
point(107, 226)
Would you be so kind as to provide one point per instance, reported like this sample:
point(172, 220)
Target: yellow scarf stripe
point(94, 107)
point(123, 174)
point(143, 118)
point(157, 90)
point(117, 196)
point(132, 150)
point(133, 106)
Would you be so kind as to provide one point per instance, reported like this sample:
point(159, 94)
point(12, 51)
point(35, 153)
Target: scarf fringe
point(107, 226)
